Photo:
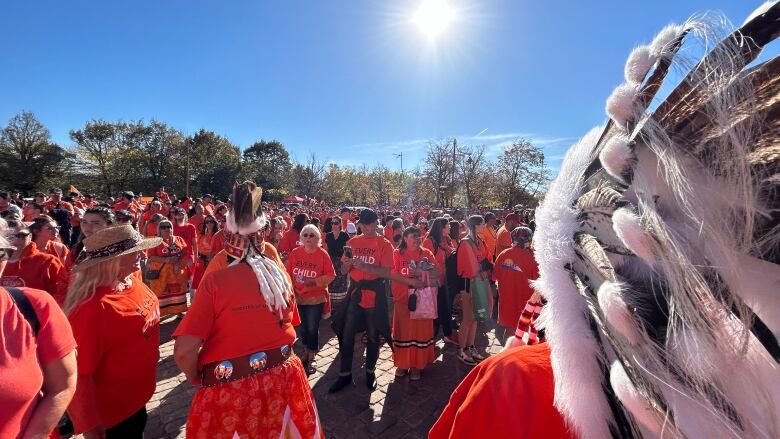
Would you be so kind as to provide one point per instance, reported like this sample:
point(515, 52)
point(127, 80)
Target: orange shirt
point(290, 241)
point(489, 236)
point(503, 240)
point(234, 324)
point(218, 242)
point(470, 257)
point(23, 354)
point(302, 265)
point(51, 205)
point(509, 395)
point(514, 269)
point(197, 220)
point(188, 234)
point(35, 269)
point(401, 266)
point(220, 259)
point(57, 249)
point(376, 251)
point(118, 336)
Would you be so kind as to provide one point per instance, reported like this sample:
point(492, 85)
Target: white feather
point(610, 296)
point(629, 230)
point(627, 394)
point(616, 156)
point(254, 227)
point(621, 103)
point(661, 44)
point(579, 394)
point(693, 353)
point(639, 62)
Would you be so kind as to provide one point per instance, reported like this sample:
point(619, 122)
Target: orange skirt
point(412, 339)
point(274, 404)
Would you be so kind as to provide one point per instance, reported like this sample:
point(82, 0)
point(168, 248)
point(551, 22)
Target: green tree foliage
point(522, 173)
point(215, 164)
point(268, 164)
point(28, 158)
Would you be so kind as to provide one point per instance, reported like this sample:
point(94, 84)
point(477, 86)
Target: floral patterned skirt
point(274, 404)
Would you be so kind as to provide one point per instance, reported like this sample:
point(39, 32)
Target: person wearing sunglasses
point(311, 271)
point(29, 267)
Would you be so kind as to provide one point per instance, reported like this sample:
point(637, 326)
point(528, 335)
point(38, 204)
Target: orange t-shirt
point(118, 336)
point(218, 242)
point(220, 259)
point(503, 240)
point(51, 205)
point(376, 251)
point(23, 354)
point(302, 265)
point(290, 241)
point(235, 324)
point(470, 257)
point(509, 395)
point(57, 249)
point(188, 234)
point(36, 269)
point(401, 266)
point(197, 220)
point(489, 236)
point(514, 269)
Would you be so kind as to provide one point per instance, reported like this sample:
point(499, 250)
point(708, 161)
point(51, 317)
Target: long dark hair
point(300, 221)
point(327, 226)
point(455, 230)
point(203, 226)
point(472, 224)
point(408, 231)
point(435, 233)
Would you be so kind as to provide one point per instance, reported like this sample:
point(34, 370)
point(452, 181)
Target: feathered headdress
point(658, 247)
point(243, 226)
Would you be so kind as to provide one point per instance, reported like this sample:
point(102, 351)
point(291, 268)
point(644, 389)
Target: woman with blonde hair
point(168, 270)
point(115, 320)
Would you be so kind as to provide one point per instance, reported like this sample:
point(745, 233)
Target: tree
point(28, 158)
point(215, 164)
point(437, 170)
point(267, 163)
point(159, 149)
point(308, 177)
point(522, 172)
point(105, 155)
point(474, 176)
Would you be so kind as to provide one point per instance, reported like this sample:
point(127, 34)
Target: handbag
point(479, 299)
point(426, 306)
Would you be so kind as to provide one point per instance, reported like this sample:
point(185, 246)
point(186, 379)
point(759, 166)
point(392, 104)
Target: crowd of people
point(105, 272)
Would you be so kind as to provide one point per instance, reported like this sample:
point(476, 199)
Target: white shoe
point(465, 358)
point(474, 354)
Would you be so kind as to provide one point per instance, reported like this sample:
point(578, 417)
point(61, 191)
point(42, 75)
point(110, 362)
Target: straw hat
point(111, 243)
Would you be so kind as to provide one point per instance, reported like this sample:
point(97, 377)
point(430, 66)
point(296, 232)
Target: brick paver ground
point(398, 408)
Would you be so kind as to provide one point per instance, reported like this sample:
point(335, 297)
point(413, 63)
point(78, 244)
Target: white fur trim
point(639, 62)
point(629, 230)
point(579, 394)
point(257, 225)
point(759, 10)
point(693, 353)
point(616, 156)
point(620, 105)
point(627, 394)
point(610, 296)
point(660, 46)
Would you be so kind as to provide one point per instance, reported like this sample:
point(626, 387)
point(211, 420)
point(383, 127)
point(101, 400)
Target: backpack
point(26, 308)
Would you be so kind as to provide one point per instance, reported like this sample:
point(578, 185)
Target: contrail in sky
point(481, 132)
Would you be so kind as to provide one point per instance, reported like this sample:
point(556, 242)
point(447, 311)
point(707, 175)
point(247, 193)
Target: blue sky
point(353, 81)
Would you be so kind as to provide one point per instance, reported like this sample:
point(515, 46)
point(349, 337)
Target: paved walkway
point(398, 408)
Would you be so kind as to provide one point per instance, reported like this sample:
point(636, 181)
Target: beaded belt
point(225, 371)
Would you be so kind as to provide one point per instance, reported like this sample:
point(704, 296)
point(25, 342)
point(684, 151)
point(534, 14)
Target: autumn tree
point(523, 173)
point(438, 168)
point(308, 177)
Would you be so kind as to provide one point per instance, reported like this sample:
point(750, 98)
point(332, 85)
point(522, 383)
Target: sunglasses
point(165, 227)
point(20, 235)
point(309, 235)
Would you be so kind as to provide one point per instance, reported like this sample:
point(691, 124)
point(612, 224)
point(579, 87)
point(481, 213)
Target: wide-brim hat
point(111, 243)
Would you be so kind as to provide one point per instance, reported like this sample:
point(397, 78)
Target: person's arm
point(59, 385)
point(185, 353)
point(410, 281)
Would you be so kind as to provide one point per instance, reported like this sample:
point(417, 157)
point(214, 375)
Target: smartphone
point(348, 251)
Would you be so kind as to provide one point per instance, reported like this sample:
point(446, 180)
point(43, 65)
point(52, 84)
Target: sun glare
point(433, 17)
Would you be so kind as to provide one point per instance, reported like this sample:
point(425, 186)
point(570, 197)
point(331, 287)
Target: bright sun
point(433, 17)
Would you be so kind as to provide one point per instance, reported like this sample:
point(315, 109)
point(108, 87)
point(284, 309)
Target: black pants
point(130, 428)
point(310, 325)
point(347, 348)
point(444, 312)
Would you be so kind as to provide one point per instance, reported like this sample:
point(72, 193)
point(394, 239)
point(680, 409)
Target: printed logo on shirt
point(150, 314)
point(510, 265)
point(12, 282)
point(365, 254)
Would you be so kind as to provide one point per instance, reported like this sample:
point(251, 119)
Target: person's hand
point(358, 263)
point(416, 283)
point(98, 432)
point(415, 272)
point(309, 283)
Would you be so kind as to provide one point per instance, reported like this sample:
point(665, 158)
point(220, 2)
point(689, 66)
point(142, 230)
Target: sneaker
point(414, 374)
point(371, 380)
point(451, 339)
point(466, 359)
point(474, 354)
point(341, 382)
point(400, 372)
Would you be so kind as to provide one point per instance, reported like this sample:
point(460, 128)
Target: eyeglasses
point(309, 235)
